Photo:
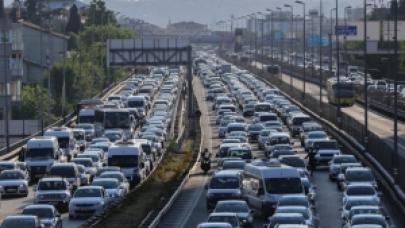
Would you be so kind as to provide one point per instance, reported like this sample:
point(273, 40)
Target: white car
point(87, 201)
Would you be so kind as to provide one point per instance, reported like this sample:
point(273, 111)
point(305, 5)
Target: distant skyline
point(208, 12)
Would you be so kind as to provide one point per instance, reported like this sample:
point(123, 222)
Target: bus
point(117, 119)
point(342, 93)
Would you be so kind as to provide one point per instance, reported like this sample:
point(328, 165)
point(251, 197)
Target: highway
point(192, 199)
point(379, 124)
point(14, 205)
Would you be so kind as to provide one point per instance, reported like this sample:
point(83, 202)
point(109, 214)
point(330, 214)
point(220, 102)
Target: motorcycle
point(206, 165)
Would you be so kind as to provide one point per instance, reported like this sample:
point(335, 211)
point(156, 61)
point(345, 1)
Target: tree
point(74, 24)
point(99, 15)
point(34, 12)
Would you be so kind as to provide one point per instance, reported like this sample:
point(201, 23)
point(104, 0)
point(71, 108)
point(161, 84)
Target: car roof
point(39, 206)
point(223, 214)
point(227, 173)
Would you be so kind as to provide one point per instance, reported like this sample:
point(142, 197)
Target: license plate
point(11, 190)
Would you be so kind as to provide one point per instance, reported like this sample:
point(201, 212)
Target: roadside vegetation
point(160, 186)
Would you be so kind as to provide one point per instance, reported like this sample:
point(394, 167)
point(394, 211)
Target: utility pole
point(320, 56)
point(330, 41)
point(5, 56)
point(303, 45)
point(337, 63)
point(365, 140)
point(395, 67)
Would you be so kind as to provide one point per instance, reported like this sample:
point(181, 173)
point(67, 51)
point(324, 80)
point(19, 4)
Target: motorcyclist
point(206, 160)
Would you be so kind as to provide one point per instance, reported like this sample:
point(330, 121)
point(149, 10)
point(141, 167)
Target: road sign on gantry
point(153, 51)
point(350, 30)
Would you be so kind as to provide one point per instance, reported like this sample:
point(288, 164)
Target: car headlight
point(63, 196)
point(22, 186)
point(41, 196)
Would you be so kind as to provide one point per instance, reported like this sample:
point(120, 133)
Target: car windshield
point(11, 176)
point(345, 159)
point(62, 171)
point(87, 192)
point(51, 185)
point(117, 120)
point(360, 190)
point(117, 176)
point(365, 211)
point(303, 211)
point(326, 145)
point(226, 219)
point(364, 202)
point(279, 140)
point(294, 162)
point(232, 207)
point(236, 128)
point(18, 222)
point(6, 166)
point(41, 213)
point(85, 163)
point(300, 120)
point(113, 136)
point(136, 104)
point(123, 161)
point(240, 153)
point(368, 220)
point(283, 185)
point(106, 184)
point(224, 183)
point(265, 118)
point(359, 176)
point(233, 165)
point(39, 153)
point(317, 135)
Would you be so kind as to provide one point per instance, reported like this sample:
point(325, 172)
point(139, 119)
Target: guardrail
point(67, 120)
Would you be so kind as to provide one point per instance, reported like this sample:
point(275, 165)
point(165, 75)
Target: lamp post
point(337, 62)
point(395, 68)
point(303, 45)
point(262, 40)
point(291, 43)
point(271, 34)
point(345, 37)
point(330, 41)
point(320, 56)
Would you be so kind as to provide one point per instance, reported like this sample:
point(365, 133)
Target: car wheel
point(71, 217)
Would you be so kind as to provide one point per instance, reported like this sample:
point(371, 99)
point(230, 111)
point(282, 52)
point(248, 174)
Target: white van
point(138, 102)
point(40, 154)
point(263, 186)
point(66, 140)
point(129, 156)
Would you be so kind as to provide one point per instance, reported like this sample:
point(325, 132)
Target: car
point(214, 225)
point(87, 201)
point(223, 185)
point(231, 218)
point(114, 135)
point(285, 218)
point(357, 201)
point(368, 219)
point(263, 136)
point(336, 163)
point(353, 175)
point(22, 221)
point(68, 171)
point(124, 184)
point(53, 190)
point(84, 176)
point(293, 161)
point(239, 207)
point(360, 190)
point(312, 136)
point(106, 169)
point(112, 186)
point(254, 131)
point(47, 214)
point(233, 164)
point(357, 210)
point(14, 183)
point(294, 200)
point(241, 135)
point(306, 213)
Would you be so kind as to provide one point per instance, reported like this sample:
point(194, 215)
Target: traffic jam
point(268, 151)
point(113, 146)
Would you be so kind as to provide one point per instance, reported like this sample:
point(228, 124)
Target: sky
point(160, 12)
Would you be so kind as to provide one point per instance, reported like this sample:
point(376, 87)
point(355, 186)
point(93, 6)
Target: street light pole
point(320, 56)
point(330, 41)
point(291, 43)
point(395, 67)
point(281, 49)
point(304, 45)
point(365, 140)
point(337, 62)
point(345, 36)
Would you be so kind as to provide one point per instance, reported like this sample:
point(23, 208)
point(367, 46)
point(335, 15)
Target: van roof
point(228, 172)
point(272, 172)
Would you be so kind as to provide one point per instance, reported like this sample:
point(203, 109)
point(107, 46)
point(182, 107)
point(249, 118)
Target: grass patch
point(152, 193)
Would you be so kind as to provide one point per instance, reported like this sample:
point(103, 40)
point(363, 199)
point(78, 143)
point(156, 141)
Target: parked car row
point(79, 171)
point(277, 184)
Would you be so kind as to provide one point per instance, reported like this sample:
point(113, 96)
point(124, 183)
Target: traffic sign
point(350, 30)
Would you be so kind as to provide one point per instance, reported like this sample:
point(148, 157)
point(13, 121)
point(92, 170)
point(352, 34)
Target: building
point(42, 49)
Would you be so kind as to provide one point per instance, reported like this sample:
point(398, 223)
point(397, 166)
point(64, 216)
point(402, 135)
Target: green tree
point(74, 24)
point(35, 104)
point(33, 11)
point(98, 14)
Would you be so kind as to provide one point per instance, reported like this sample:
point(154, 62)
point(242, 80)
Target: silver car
point(54, 191)
point(47, 214)
point(112, 186)
point(14, 183)
point(87, 201)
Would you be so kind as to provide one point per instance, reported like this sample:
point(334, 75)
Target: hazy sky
point(205, 11)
